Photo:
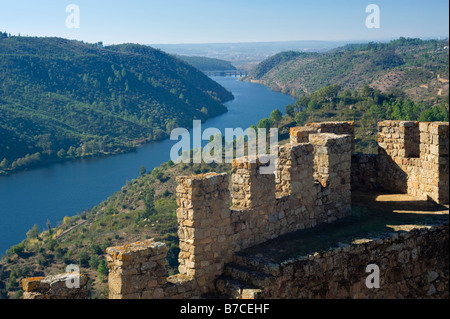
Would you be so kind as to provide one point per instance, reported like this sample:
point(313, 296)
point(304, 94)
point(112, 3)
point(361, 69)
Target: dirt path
point(64, 233)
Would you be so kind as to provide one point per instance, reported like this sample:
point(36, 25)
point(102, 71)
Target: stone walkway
point(374, 216)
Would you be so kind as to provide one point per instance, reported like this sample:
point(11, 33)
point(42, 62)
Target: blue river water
point(67, 189)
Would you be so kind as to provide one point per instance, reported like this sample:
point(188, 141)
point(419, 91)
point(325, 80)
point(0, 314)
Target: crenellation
point(413, 158)
point(136, 269)
point(250, 188)
point(204, 226)
point(295, 170)
point(221, 215)
point(301, 134)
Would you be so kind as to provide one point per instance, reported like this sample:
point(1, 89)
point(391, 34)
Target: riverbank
point(57, 160)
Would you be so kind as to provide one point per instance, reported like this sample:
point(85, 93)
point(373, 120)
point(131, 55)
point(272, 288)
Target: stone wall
point(365, 173)
point(413, 159)
point(56, 287)
point(301, 134)
point(137, 271)
point(215, 222)
point(332, 170)
point(412, 265)
point(220, 215)
point(204, 227)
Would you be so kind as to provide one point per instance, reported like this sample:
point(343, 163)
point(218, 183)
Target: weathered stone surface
point(311, 186)
point(341, 273)
point(137, 270)
point(413, 159)
point(56, 287)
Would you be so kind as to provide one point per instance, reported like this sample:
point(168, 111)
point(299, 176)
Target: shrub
point(33, 233)
point(83, 258)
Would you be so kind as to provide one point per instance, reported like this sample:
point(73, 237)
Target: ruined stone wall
point(413, 159)
point(333, 146)
point(434, 154)
point(412, 265)
point(137, 271)
point(214, 223)
point(204, 227)
point(332, 163)
point(364, 173)
point(64, 286)
point(301, 134)
point(220, 215)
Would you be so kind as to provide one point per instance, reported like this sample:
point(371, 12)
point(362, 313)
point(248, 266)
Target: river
point(67, 189)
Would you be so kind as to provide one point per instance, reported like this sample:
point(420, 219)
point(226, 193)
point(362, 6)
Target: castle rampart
point(214, 222)
point(412, 265)
point(221, 215)
point(413, 159)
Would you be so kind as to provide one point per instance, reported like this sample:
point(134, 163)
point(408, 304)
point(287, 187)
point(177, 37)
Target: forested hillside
point(417, 67)
point(66, 99)
point(207, 64)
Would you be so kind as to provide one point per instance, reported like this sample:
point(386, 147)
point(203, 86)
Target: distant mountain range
point(247, 54)
point(418, 67)
point(67, 99)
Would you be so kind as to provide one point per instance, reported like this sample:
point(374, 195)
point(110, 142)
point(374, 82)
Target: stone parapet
point(137, 271)
point(63, 286)
point(413, 159)
point(220, 215)
point(411, 265)
point(204, 227)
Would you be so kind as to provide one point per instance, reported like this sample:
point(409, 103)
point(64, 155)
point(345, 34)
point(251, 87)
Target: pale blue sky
point(208, 21)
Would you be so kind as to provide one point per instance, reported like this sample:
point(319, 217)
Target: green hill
point(207, 64)
point(66, 99)
point(417, 67)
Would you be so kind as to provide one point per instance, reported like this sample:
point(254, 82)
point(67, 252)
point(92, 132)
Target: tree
point(61, 153)
point(72, 152)
point(49, 227)
point(33, 233)
point(149, 202)
point(302, 103)
point(290, 110)
point(4, 164)
point(142, 170)
point(83, 258)
point(102, 270)
point(301, 118)
point(327, 93)
point(94, 262)
point(313, 105)
point(367, 91)
point(276, 116)
point(265, 123)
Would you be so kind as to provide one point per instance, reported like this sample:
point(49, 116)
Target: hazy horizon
point(216, 22)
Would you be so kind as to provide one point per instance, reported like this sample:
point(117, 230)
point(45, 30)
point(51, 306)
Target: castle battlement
point(311, 187)
point(220, 215)
point(413, 158)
